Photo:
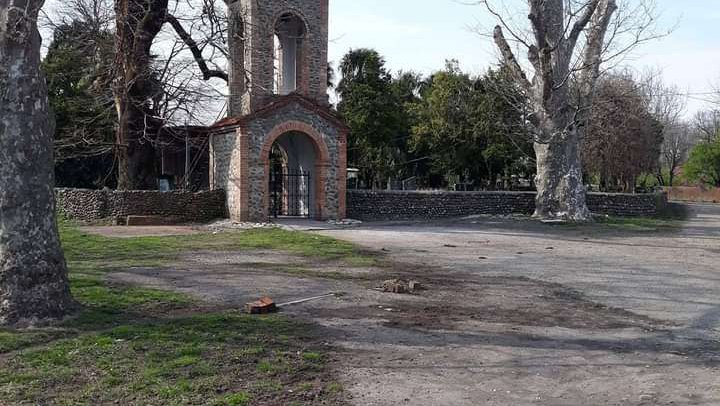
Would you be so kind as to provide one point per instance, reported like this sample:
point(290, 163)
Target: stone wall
point(240, 152)
point(95, 205)
point(392, 205)
point(627, 205)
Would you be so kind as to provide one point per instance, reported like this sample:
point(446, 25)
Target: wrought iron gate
point(289, 194)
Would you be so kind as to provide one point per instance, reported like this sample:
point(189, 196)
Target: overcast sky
point(421, 34)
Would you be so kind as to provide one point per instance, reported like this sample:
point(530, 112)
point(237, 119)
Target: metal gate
point(289, 194)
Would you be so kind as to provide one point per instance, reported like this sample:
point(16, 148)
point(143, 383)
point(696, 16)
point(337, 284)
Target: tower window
point(289, 36)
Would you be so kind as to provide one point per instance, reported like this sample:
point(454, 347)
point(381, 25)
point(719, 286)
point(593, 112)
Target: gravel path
point(516, 312)
point(670, 277)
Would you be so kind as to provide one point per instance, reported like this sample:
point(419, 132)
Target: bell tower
point(277, 47)
point(282, 151)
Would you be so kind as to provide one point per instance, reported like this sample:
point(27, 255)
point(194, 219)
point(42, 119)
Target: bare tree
point(623, 138)
point(677, 143)
point(707, 124)
point(33, 274)
point(137, 94)
point(667, 105)
point(567, 45)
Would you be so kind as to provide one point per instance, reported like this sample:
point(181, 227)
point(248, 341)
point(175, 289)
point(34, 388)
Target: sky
point(420, 35)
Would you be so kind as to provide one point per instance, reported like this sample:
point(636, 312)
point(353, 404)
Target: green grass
point(223, 357)
point(671, 218)
point(155, 251)
point(138, 346)
point(641, 224)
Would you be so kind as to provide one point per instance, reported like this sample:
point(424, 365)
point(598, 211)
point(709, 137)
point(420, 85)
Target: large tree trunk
point(559, 180)
point(136, 153)
point(33, 274)
point(138, 23)
point(556, 119)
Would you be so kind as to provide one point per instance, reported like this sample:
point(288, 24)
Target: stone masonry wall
point(393, 205)
point(94, 205)
point(240, 161)
point(258, 132)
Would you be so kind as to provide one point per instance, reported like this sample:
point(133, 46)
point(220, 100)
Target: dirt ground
point(516, 312)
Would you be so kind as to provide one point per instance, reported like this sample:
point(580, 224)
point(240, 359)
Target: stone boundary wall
point(693, 194)
point(394, 205)
point(95, 205)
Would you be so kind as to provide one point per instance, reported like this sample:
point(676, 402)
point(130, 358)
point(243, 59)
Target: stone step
point(137, 221)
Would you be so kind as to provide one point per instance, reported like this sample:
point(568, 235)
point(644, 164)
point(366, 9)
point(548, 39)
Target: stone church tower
point(282, 150)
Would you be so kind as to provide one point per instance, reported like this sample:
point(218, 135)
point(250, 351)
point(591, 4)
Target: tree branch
point(595, 45)
point(580, 24)
point(197, 53)
point(509, 57)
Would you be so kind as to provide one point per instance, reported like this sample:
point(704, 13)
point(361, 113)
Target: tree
point(406, 91)
point(560, 65)
point(33, 274)
point(137, 88)
point(462, 127)
point(77, 68)
point(707, 124)
point(677, 142)
point(623, 139)
point(444, 130)
point(667, 106)
point(369, 107)
point(704, 163)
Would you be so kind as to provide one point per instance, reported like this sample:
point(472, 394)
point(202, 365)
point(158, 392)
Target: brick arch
point(322, 161)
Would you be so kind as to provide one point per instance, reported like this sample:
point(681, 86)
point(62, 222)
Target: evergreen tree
point(373, 112)
point(466, 127)
point(77, 67)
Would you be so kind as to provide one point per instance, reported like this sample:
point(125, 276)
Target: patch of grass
point(11, 340)
point(312, 356)
point(334, 388)
point(126, 346)
point(111, 253)
point(641, 224)
point(236, 399)
point(188, 360)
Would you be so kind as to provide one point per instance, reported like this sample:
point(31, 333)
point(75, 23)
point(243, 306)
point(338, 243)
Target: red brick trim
point(342, 174)
point(321, 164)
point(278, 103)
point(243, 181)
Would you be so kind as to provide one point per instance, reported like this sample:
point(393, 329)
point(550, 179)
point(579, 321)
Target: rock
point(401, 286)
point(345, 222)
point(223, 225)
point(414, 285)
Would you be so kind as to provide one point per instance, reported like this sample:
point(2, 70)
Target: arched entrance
point(292, 173)
point(296, 158)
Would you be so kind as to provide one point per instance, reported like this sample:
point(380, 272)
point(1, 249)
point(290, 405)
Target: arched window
point(289, 36)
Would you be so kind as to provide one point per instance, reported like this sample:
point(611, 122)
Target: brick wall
point(93, 205)
point(392, 205)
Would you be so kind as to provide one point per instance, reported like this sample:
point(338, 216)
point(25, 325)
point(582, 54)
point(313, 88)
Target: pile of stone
point(345, 222)
point(223, 225)
point(401, 286)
